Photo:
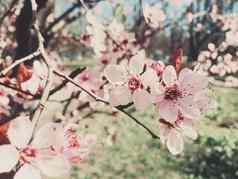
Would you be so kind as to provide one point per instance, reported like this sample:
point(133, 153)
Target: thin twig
point(72, 96)
point(84, 5)
point(65, 14)
point(73, 74)
point(16, 89)
point(46, 59)
point(153, 135)
point(46, 92)
point(91, 94)
point(18, 62)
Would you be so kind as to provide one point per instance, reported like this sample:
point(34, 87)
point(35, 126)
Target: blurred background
point(123, 150)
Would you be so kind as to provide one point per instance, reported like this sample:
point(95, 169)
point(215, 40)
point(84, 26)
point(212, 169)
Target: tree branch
point(19, 61)
point(65, 77)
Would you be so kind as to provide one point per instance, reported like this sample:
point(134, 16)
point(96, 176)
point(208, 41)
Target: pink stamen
point(134, 83)
point(172, 93)
point(27, 154)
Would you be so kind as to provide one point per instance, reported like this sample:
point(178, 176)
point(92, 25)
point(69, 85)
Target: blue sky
point(173, 11)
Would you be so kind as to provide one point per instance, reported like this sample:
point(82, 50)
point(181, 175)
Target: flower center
point(27, 154)
point(134, 83)
point(105, 61)
point(72, 139)
point(172, 93)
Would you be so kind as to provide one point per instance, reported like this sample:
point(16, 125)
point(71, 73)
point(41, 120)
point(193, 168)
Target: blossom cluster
point(179, 102)
point(218, 63)
point(134, 78)
point(123, 75)
point(51, 152)
point(220, 60)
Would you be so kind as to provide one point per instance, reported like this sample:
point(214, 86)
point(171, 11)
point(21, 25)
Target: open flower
point(172, 134)
point(130, 83)
point(174, 95)
point(68, 143)
point(31, 157)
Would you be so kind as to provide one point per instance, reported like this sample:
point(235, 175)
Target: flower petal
point(4, 100)
point(115, 73)
point(189, 108)
point(193, 83)
point(204, 102)
point(9, 158)
point(183, 73)
point(31, 85)
point(157, 92)
point(142, 99)
point(164, 132)
point(48, 135)
point(169, 75)
point(188, 129)
point(168, 111)
point(150, 78)
point(54, 166)
point(27, 172)
point(137, 63)
point(119, 95)
point(175, 142)
point(20, 131)
point(39, 69)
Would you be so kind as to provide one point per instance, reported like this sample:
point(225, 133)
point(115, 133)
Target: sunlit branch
point(95, 97)
point(18, 62)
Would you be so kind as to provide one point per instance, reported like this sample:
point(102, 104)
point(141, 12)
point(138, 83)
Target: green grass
point(132, 154)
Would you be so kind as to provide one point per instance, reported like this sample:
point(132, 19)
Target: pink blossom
point(68, 143)
point(232, 38)
point(172, 134)
point(33, 157)
point(219, 69)
point(129, 84)
point(174, 95)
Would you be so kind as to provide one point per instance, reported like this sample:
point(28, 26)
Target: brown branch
point(19, 61)
point(46, 59)
point(64, 15)
point(72, 96)
point(4, 72)
point(153, 135)
point(91, 94)
point(95, 97)
point(46, 91)
point(73, 74)
point(16, 89)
